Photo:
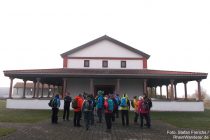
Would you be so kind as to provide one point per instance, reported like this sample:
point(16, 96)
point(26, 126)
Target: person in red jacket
point(143, 110)
point(78, 110)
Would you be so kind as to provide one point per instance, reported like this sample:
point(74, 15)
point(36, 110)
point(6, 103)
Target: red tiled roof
point(66, 72)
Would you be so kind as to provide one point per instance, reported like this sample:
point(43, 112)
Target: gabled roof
point(105, 37)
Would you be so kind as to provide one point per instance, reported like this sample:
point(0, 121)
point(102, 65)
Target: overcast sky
point(176, 33)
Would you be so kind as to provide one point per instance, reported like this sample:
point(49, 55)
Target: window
point(104, 63)
point(123, 64)
point(86, 63)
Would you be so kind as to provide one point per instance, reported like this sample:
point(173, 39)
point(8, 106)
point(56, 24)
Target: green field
point(194, 120)
point(22, 116)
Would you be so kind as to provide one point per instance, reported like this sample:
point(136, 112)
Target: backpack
point(110, 105)
point(100, 102)
point(50, 102)
point(67, 101)
point(145, 105)
point(118, 100)
point(53, 102)
point(132, 104)
point(88, 105)
point(123, 102)
point(74, 104)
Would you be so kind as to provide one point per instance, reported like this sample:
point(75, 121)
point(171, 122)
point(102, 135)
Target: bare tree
point(204, 94)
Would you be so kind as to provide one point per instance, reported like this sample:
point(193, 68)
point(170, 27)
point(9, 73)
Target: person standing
point(67, 101)
point(149, 102)
point(87, 111)
point(108, 107)
point(135, 103)
point(124, 107)
point(143, 110)
point(117, 98)
point(77, 105)
point(92, 112)
point(99, 105)
point(55, 108)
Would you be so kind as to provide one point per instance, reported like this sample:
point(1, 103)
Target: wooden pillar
point(48, 95)
point(175, 94)
point(155, 92)
point(161, 96)
point(34, 89)
point(24, 88)
point(118, 86)
point(145, 87)
point(42, 90)
point(199, 90)
point(91, 86)
point(172, 89)
point(38, 83)
point(167, 92)
point(185, 90)
point(11, 86)
point(64, 87)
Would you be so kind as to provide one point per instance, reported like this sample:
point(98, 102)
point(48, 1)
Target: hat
point(140, 97)
point(100, 92)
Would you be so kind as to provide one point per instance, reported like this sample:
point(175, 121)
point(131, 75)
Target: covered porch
point(148, 80)
point(57, 80)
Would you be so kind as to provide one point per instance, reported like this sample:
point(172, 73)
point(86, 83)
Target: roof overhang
point(154, 77)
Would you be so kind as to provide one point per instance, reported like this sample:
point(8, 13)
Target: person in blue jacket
point(55, 108)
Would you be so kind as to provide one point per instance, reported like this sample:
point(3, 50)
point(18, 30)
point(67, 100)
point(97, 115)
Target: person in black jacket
point(67, 101)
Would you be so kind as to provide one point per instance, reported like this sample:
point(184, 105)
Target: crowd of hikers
point(107, 106)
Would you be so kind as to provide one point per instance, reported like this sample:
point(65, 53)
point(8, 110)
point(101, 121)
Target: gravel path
point(64, 130)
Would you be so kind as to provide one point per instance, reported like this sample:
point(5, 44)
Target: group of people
point(105, 105)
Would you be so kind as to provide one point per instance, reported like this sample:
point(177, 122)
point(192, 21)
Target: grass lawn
point(194, 120)
point(6, 131)
point(21, 115)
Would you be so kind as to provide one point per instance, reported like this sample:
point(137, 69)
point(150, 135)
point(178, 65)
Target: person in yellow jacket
point(124, 107)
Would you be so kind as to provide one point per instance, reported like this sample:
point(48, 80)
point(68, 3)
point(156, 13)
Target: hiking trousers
point(99, 113)
point(87, 119)
point(136, 115)
point(77, 117)
point(108, 118)
point(125, 118)
point(54, 117)
point(146, 116)
point(66, 113)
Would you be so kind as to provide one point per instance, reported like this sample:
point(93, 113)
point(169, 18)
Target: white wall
point(177, 106)
point(157, 105)
point(112, 64)
point(78, 86)
point(131, 87)
point(105, 48)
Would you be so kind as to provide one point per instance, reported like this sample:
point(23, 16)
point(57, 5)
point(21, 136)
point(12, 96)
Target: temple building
point(109, 65)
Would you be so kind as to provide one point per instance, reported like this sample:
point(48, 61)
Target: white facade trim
point(112, 64)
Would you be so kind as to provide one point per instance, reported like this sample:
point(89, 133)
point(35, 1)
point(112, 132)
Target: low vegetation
point(6, 131)
point(194, 120)
point(21, 115)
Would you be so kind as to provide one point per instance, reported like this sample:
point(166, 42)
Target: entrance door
point(108, 89)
